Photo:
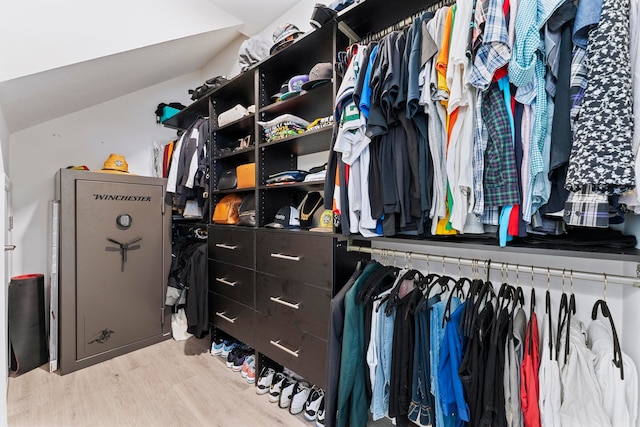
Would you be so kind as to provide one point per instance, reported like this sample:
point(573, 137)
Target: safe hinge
point(10, 225)
point(637, 271)
point(162, 318)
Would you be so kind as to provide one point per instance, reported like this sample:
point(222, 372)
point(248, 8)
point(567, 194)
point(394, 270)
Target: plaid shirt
point(587, 209)
point(480, 138)
point(578, 81)
point(500, 175)
point(494, 53)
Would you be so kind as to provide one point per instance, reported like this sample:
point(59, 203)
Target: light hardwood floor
point(167, 384)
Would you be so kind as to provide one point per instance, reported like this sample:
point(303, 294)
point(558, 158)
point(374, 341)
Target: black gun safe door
point(115, 252)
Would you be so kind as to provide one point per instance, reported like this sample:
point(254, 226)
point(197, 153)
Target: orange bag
point(246, 175)
point(226, 211)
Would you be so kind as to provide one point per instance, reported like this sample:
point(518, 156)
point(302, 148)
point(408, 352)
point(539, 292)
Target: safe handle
point(285, 303)
point(277, 344)
point(222, 316)
point(287, 257)
point(9, 247)
point(224, 281)
point(225, 246)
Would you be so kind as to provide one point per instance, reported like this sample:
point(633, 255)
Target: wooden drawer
point(231, 281)
point(235, 319)
point(303, 353)
point(233, 245)
point(305, 307)
point(299, 257)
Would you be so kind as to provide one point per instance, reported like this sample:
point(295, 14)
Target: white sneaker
point(311, 406)
point(265, 380)
point(286, 395)
point(276, 387)
point(321, 414)
point(301, 393)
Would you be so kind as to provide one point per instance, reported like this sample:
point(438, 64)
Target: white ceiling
point(29, 100)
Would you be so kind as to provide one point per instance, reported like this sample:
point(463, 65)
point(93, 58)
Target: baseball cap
point(286, 217)
point(283, 36)
point(284, 88)
point(321, 15)
point(294, 86)
point(320, 74)
point(323, 221)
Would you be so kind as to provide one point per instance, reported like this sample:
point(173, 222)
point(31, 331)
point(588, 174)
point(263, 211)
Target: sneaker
point(288, 387)
point(241, 356)
point(301, 393)
point(276, 387)
point(313, 403)
point(216, 346)
point(265, 380)
point(245, 365)
point(238, 353)
point(321, 414)
point(227, 346)
point(251, 372)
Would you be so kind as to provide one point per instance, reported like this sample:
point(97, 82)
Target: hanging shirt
point(494, 52)
point(620, 397)
point(437, 341)
point(550, 388)
point(451, 391)
point(529, 371)
point(514, 356)
point(581, 394)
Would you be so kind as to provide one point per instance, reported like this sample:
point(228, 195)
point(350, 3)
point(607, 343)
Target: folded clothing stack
point(283, 126)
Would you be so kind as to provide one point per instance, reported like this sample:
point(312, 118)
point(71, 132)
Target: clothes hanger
point(548, 313)
point(602, 305)
point(532, 310)
point(563, 317)
point(457, 290)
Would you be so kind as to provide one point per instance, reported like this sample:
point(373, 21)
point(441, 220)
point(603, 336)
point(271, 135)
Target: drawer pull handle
point(285, 303)
point(224, 281)
point(225, 246)
point(283, 348)
point(222, 316)
point(286, 257)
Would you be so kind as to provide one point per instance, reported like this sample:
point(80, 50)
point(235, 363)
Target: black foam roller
point(27, 332)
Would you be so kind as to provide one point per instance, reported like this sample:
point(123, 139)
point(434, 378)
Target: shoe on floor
point(321, 414)
point(301, 393)
point(227, 346)
point(286, 394)
point(216, 346)
point(265, 380)
point(276, 387)
point(251, 372)
point(241, 356)
point(250, 359)
point(313, 403)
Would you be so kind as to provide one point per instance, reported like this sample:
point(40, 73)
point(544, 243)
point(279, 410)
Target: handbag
point(226, 211)
point(228, 180)
point(246, 175)
point(247, 211)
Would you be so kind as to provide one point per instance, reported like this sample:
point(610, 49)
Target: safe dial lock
point(124, 220)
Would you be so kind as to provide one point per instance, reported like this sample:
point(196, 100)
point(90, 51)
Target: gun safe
point(114, 258)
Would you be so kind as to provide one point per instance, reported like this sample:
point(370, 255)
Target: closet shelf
point(187, 116)
point(314, 96)
point(370, 16)
point(307, 186)
point(244, 124)
point(234, 190)
point(244, 152)
point(313, 141)
point(491, 244)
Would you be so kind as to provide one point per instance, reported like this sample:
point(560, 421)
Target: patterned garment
point(602, 152)
point(587, 209)
point(578, 82)
point(480, 138)
point(494, 53)
point(500, 175)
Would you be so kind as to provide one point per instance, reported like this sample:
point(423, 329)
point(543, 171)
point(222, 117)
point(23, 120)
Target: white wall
point(55, 33)
point(125, 125)
point(4, 342)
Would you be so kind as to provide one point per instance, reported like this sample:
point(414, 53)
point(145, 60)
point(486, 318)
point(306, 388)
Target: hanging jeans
point(382, 385)
point(421, 407)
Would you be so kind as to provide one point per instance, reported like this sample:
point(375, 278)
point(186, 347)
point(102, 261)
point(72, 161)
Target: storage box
point(246, 175)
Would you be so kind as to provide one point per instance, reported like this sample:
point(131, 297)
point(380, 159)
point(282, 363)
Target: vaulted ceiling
point(48, 78)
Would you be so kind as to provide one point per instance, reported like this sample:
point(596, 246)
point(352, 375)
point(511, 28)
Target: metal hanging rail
point(522, 268)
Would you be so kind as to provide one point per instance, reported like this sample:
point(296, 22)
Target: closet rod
point(523, 268)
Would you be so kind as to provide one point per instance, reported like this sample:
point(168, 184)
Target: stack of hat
point(284, 36)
